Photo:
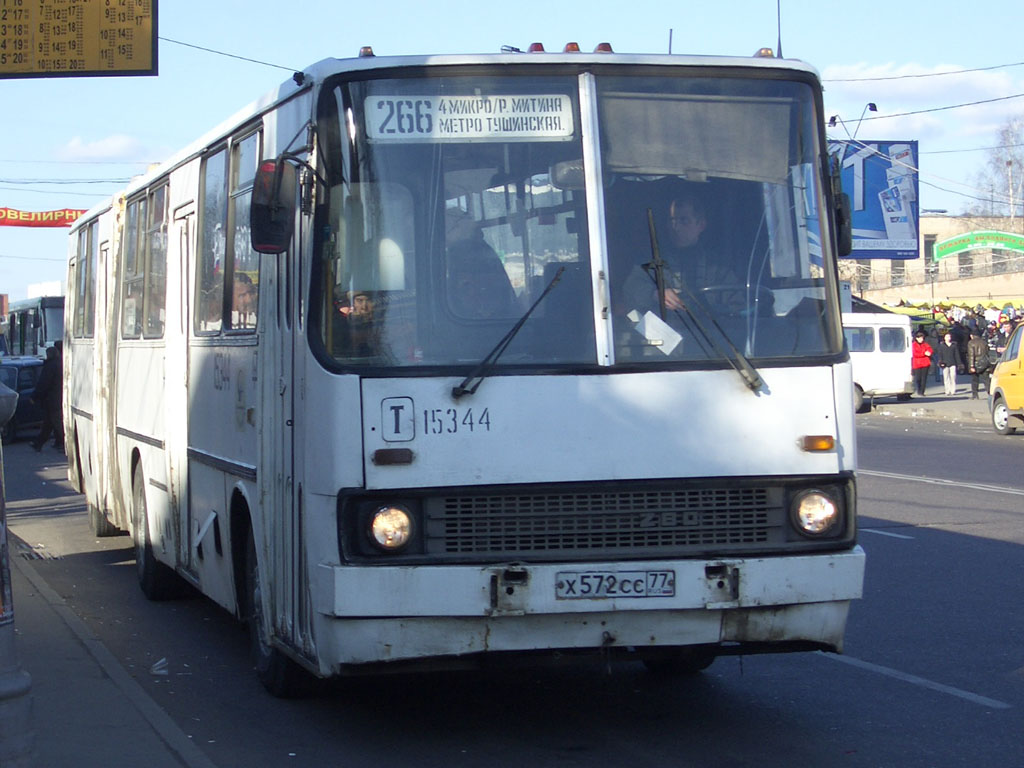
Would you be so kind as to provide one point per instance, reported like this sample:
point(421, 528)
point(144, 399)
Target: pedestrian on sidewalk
point(977, 362)
point(921, 353)
point(950, 361)
point(49, 394)
point(933, 339)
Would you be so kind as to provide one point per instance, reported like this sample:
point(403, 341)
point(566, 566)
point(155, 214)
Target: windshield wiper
point(657, 264)
point(484, 367)
point(736, 358)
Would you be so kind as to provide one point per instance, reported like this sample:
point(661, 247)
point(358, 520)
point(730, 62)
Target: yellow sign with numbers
point(63, 38)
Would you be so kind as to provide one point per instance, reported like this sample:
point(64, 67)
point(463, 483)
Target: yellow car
point(1007, 387)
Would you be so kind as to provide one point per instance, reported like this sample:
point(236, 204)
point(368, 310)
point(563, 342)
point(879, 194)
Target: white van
point(880, 352)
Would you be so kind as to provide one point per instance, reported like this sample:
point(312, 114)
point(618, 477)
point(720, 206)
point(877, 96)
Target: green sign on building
point(969, 241)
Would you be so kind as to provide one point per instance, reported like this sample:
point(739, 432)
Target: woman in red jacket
point(920, 362)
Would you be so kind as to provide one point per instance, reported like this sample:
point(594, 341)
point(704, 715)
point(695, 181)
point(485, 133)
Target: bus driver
point(687, 261)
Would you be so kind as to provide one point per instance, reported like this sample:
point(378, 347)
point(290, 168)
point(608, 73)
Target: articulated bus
point(404, 365)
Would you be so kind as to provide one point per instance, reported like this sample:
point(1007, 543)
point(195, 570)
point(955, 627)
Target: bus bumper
point(380, 614)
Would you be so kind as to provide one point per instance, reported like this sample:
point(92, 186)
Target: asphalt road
point(933, 673)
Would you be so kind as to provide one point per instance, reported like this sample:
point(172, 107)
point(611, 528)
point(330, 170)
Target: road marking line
point(918, 681)
point(884, 533)
point(944, 481)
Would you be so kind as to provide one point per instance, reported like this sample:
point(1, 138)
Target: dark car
point(21, 375)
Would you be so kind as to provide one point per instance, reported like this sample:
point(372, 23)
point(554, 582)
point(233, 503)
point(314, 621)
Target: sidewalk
point(936, 405)
point(87, 710)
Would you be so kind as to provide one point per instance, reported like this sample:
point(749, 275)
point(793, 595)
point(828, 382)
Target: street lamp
point(869, 107)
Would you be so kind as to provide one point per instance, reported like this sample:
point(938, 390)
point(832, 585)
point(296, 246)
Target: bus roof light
point(535, 48)
point(366, 52)
point(603, 48)
point(571, 48)
point(764, 53)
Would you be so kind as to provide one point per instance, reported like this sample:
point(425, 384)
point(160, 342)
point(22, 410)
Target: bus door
point(103, 405)
point(281, 520)
point(184, 224)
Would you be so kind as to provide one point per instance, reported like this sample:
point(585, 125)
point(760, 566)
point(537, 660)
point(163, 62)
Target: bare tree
point(1003, 174)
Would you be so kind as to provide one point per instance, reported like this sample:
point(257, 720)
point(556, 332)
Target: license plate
point(584, 585)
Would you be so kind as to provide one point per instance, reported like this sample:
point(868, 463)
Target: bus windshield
point(682, 216)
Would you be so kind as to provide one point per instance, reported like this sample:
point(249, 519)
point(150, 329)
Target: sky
point(918, 57)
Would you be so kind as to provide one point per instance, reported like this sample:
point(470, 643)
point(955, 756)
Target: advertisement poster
point(881, 179)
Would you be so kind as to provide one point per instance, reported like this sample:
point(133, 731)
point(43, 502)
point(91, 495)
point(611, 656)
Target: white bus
point(362, 365)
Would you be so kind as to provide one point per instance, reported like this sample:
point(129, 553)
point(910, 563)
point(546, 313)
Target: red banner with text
point(65, 217)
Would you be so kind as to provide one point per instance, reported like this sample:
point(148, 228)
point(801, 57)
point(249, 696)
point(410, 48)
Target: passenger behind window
point(245, 295)
point(377, 322)
point(352, 324)
point(478, 285)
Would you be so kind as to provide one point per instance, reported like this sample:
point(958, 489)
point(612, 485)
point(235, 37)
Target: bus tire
point(1001, 418)
point(281, 676)
point(158, 582)
point(682, 662)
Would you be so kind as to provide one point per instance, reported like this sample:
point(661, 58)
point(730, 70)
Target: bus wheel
point(281, 676)
point(683, 661)
point(158, 582)
point(1001, 418)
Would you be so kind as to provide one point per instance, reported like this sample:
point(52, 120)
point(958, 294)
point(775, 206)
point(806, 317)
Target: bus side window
point(212, 245)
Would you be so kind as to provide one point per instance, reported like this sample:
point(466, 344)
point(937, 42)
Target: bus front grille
point(560, 525)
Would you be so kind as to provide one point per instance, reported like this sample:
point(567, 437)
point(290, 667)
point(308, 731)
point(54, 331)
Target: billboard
point(73, 38)
point(881, 179)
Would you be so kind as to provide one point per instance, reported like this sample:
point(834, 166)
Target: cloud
point(117, 147)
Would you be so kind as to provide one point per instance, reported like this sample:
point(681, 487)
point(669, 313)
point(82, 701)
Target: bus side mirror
point(272, 210)
point(844, 224)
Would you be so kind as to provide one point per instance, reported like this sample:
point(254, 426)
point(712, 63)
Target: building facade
point(969, 275)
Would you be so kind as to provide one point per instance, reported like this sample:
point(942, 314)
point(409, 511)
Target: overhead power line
point(922, 74)
point(93, 195)
point(22, 161)
point(971, 149)
point(64, 181)
point(990, 195)
point(30, 258)
point(941, 109)
point(229, 55)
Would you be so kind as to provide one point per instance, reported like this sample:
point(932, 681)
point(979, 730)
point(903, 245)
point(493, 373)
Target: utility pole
point(1009, 184)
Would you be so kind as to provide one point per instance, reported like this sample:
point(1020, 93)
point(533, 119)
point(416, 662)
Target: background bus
point(363, 366)
point(33, 325)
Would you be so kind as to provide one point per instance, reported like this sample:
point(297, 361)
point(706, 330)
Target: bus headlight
point(815, 513)
point(391, 527)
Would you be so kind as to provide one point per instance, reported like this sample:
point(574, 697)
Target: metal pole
point(1009, 176)
point(778, 16)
